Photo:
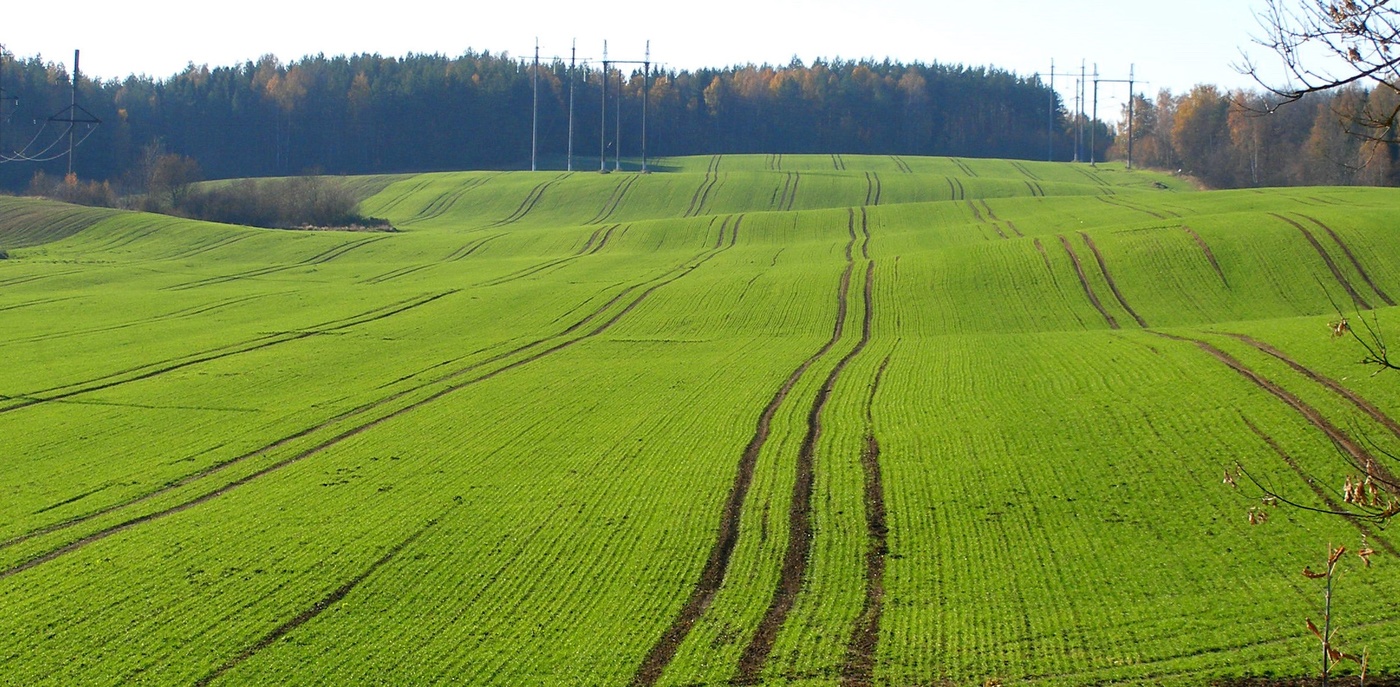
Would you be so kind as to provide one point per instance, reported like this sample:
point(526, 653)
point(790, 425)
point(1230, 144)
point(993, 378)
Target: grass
point(497, 447)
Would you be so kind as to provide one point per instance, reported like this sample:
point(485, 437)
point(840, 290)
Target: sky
point(1173, 45)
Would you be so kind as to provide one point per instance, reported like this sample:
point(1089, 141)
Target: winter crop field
point(770, 419)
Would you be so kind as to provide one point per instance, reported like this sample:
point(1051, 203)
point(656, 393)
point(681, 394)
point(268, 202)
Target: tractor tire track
point(531, 200)
point(448, 386)
point(901, 164)
point(454, 256)
point(963, 166)
point(838, 162)
point(1360, 457)
point(1331, 384)
point(445, 202)
point(858, 670)
point(962, 192)
point(1331, 265)
point(182, 313)
point(1025, 171)
point(319, 258)
point(215, 245)
point(800, 535)
point(1012, 225)
point(156, 369)
point(1331, 502)
point(1210, 256)
point(1352, 257)
point(1084, 282)
point(716, 567)
point(316, 609)
point(873, 188)
point(615, 200)
point(1108, 277)
point(1126, 206)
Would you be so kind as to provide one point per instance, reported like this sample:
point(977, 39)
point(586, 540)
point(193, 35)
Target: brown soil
point(1352, 257)
point(716, 567)
point(1108, 277)
point(1341, 279)
point(317, 609)
point(859, 667)
point(800, 533)
point(1084, 282)
point(1322, 494)
point(1210, 256)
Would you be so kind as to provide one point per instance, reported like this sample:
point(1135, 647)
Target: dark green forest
point(371, 114)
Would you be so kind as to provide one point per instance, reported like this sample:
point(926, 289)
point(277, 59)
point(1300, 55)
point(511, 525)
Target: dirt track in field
point(563, 343)
point(1352, 257)
point(1322, 494)
point(1108, 277)
point(1331, 265)
point(794, 568)
point(1084, 282)
point(316, 609)
point(716, 567)
point(858, 670)
point(1359, 456)
point(1210, 256)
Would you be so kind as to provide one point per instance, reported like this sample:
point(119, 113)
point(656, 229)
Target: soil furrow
point(1331, 265)
point(1332, 385)
point(859, 667)
point(794, 569)
point(1084, 282)
point(659, 282)
point(1360, 457)
point(1116, 202)
point(1210, 256)
point(1322, 494)
point(215, 354)
point(316, 609)
point(1025, 170)
point(1352, 257)
point(716, 567)
point(1108, 277)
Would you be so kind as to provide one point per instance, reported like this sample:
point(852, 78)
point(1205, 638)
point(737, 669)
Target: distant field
point(777, 419)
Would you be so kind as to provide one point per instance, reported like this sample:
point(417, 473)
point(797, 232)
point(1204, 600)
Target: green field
point(770, 419)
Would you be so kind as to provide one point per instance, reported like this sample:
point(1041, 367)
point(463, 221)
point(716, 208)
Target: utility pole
point(1093, 122)
point(573, 58)
point(1050, 118)
point(603, 118)
point(617, 131)
point(535, 111)
point(1131, 81)
point(74, 107)
point(646, 91)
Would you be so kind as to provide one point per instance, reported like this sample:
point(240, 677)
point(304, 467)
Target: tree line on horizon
point(366, 114)
point(371, 114)
point(1246, 139)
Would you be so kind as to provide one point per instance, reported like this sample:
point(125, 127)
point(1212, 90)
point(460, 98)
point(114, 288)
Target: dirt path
point(859, 667)
point(794, 568)
point(316, 609)
point(1108, 277)
point(1322, 494)
point(1360, 457)
point(1210, 256)
point(1337, 273)
point(1332, 385)
point(1084, 282)
point(449, 383)
point(1352, 257)
point(716, 567)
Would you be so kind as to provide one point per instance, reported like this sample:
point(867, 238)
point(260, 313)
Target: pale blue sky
point(1174, 44)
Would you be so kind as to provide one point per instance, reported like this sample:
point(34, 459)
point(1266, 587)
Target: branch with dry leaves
point(1324, 44)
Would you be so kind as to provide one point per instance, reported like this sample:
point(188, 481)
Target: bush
point(70, 190)
point(295, 203)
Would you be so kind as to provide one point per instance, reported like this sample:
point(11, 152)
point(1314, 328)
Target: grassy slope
point(495, 447)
